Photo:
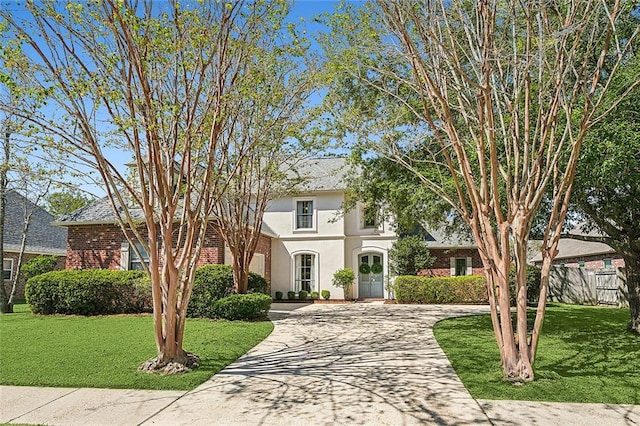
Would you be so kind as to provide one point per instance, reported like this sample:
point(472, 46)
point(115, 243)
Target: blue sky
point(306, 9)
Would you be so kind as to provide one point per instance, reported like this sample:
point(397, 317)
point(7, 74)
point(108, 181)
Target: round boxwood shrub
point(242, 307)
point(38, 265)
point(302, 295)
point(291, 295)
point(315, 295)
point(326, 294)
point(278, 295)
point(88, 292)
point(214, 282)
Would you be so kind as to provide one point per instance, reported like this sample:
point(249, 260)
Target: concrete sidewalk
point(323, 364)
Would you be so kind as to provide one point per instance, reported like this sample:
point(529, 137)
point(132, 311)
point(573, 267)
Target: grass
point(585, 354)
point(105, 351)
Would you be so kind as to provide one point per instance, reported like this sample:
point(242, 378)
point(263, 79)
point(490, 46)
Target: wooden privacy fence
point(588, 286)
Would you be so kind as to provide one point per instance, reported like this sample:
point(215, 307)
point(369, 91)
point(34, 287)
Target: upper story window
point(368, 217)
point(7, 269)
point(304, 214)
point(607, 263)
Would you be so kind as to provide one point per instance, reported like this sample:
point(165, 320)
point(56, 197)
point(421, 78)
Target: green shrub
point(88, 292)
point(533, 284)
point(257, 284)
point(409, 255)
point(242, 307)
point(38, 265)
point(344, 278)
point(291, 295)
point(302, 295)
point(465, 289)
point(315, 295)
point(278, 295)
point(214, 282)
point(326, 294)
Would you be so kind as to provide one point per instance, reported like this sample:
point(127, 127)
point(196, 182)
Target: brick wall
point(21, 282)
point(442, 265)
point(591, 262)
point(264, 247)
point(98, 247)
point(94, 247)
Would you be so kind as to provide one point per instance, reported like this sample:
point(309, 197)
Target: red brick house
point(96, 241)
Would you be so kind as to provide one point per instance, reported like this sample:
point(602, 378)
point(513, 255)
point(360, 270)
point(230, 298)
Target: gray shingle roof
point(321, 174)
point(569, 247)
point(42, 236)
point(441, 240)
point(99, 211)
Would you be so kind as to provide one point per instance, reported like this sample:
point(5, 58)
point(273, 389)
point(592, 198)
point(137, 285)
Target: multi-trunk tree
point(164, 84)
point(502, 96)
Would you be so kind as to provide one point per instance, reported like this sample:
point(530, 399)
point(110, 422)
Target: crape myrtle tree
point(607, 184)
point(165, 83)
point(502, 96)
point(276, 114)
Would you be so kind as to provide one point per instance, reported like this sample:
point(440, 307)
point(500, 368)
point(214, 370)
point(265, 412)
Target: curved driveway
point(338, 364)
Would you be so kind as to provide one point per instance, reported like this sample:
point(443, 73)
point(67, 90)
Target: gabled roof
point(42, 236)
point(439, 239)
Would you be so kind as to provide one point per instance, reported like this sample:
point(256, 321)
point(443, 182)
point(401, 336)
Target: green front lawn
point(105, 351)
point(586, 354)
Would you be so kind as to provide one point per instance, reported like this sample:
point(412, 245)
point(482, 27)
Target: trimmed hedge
point(215, 282)
point(38, 265)
point(243, 307)
point(89, 292)
point(465, 289)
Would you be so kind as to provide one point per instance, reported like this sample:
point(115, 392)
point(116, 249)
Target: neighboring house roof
point(42, 236)
point(439, 239)
point(100, 212)
point(569, 248)
point(321, 174)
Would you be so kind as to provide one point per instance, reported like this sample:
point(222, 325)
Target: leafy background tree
point(65, 201)
point(409, 256)
point(607, 184)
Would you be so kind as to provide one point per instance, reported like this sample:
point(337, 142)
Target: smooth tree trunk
point(5, 307)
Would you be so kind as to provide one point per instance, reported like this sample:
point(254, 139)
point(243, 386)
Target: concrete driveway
point(338, 364)
point(356, 364)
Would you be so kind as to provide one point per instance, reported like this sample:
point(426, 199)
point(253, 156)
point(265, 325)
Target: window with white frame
point(369, 218)
point(7, 269)
point(607, 263)
point(305, 272)
point(135, 262)
point(461, 266)
point(304, 214)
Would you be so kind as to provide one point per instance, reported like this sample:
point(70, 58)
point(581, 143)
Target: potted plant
point(344, 279)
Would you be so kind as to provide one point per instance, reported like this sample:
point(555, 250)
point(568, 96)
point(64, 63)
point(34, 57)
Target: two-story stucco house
point(306, 238)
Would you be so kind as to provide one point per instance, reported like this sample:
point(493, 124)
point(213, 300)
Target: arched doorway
point(370, 275)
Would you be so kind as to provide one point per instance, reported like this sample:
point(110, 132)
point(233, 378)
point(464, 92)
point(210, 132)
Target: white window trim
point(10, 271)
point(469, 265)
point(126, 253)
point(314, 215)
point(360, 210)
point(316, 269)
